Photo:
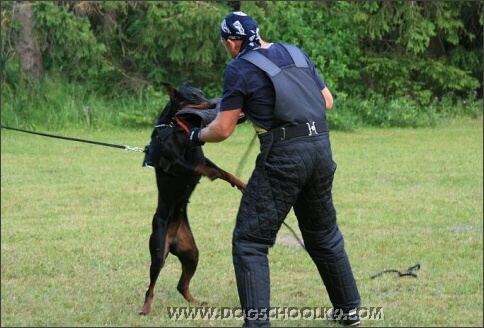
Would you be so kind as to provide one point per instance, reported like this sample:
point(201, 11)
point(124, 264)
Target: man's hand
point(193, 138)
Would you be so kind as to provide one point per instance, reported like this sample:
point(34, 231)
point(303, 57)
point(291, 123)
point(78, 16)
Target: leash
point(409, 273)
point(242, 162)
point(125, 147)
point(295, 236)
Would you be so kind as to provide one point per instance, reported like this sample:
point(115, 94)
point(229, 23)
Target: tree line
point(414, 51)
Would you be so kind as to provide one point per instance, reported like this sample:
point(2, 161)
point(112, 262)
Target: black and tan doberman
point(178, 170)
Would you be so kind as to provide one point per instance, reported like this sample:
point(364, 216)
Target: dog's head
point(186, 96)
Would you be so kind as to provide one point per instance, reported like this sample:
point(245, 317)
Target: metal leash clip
point(139, 149)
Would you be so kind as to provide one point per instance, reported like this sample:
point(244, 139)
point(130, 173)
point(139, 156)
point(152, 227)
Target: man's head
point(239, 33)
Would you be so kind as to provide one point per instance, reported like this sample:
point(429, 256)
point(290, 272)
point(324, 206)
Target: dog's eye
point(194, 96)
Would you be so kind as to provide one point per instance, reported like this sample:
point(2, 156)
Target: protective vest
point(298, 97)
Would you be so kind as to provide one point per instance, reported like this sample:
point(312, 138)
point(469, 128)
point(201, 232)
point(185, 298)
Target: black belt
point(307, 129)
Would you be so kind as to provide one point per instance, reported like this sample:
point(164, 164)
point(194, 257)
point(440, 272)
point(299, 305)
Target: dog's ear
point(170, 89)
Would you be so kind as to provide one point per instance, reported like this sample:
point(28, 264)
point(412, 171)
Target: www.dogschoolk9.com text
point(273, 313)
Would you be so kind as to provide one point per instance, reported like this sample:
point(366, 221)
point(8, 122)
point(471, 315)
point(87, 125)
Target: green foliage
point(418, 79)
point(342, 120)
point(144, 109)
point(394, 113)
point(343, 116)
point(397, 55)
point(54, 104)
point(321, 30)
point(68, 45)
point(349, 114)
point(410, 24)
point(10, 68)
point(169, 42)
point(417, 48)
point(450, 106)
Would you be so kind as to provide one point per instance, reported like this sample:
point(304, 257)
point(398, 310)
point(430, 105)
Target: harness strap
point(296, 55)
point(262, 62)
point(182, 124)
point(268, 66)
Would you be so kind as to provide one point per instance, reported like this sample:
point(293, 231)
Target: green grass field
point(76, 219)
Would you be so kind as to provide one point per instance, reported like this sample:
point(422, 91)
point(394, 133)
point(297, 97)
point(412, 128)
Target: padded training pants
point(296, 173)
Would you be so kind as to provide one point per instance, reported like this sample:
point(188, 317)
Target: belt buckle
point(312, 128)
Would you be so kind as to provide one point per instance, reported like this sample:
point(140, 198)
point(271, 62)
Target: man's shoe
point(348, 319)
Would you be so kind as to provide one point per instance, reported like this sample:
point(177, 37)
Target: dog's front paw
point(208, 172)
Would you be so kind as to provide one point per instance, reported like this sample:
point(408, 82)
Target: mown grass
point(75, 222)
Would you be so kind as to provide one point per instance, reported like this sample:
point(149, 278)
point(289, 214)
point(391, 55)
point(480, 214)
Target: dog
point(178, 169)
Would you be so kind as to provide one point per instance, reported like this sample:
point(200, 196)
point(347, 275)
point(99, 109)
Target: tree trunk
point(25, 44)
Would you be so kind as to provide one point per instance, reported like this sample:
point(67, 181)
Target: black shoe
point(348, 319)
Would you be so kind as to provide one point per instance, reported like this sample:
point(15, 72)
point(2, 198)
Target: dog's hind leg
point(159, 251)
point(187, 252)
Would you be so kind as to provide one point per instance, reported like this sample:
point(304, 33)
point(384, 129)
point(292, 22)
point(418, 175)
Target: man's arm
point(222, 127)
point(328, 97)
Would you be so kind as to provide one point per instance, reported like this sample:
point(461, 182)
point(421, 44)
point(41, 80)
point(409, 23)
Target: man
point(279, 91)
